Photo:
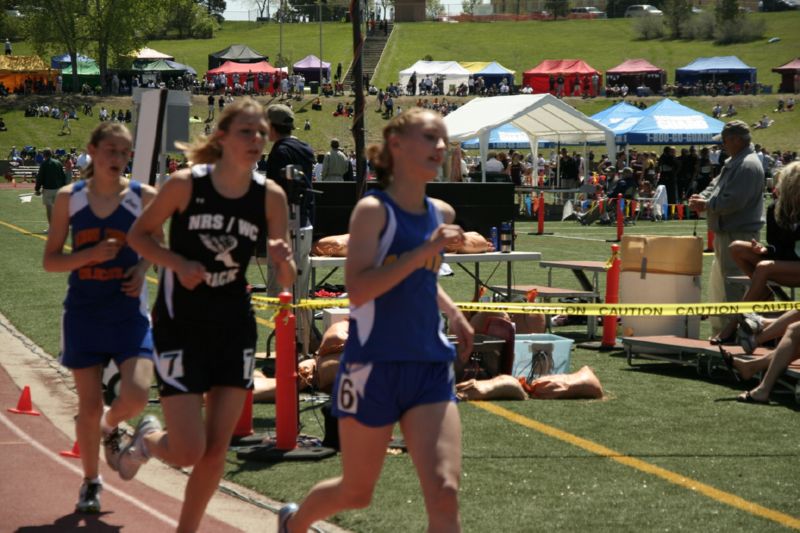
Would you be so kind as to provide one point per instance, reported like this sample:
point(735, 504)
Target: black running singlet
point(220, 233)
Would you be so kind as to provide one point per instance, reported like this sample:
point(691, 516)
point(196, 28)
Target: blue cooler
point(540, 354)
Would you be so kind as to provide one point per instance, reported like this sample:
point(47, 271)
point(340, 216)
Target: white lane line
point(69, 466)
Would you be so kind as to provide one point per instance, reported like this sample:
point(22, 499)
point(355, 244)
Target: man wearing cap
point(49, 179)
point(734, 206)
point(289, 150)
point(336, 165)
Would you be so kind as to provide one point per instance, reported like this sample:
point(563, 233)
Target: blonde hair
point(103, 131)
point(206, 148)
point(379, 155)
point(787, 206)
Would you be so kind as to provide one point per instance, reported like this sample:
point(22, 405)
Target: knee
point(762, 270)
point(356, 496)
point(132, 402)
point(793, 332)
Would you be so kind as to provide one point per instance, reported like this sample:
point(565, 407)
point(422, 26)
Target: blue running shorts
point(379, 393)
point(89, 341)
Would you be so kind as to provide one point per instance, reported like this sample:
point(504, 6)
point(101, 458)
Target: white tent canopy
point(150, 54)
point(540, 116)
point(452, 72)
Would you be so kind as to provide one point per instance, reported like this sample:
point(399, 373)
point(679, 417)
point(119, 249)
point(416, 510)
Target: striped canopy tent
point(15, 70)
point(492, 72)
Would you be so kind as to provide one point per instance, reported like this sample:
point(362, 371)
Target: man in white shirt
point(492, 164)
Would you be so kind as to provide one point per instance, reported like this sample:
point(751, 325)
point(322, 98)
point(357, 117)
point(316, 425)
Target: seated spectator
point(731, 111)
point(626, 186)
point(316, 105)
point(778, 260)
point(763, 122)
point(103, 115)
point(790, 103)
point(3, 125)
point(128, 116)
point(339, 110)
point(781, 105)
point(772, 365)
point(717, 111)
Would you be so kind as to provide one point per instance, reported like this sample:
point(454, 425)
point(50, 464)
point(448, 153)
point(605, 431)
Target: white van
point(642, 10)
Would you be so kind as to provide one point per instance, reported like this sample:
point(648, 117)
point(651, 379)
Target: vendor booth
point(492, 72)
point(229, 68)
point(669, 122)
point(239, 53)
point(444, 73)
point(620, 118)
point(790, 76)
point(157, 70)
point(544, 77)
point(714, 69)
point(25, 74)
point(540, 116)
point(309, 67)
point(148, 54)
point(64, 60)
point(88, 73)
point(638, 75)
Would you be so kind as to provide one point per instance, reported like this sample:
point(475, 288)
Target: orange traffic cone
point(244, 427)
point(24, 405)
point(75, 452)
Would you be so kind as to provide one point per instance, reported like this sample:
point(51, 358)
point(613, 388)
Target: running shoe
point(286, 512)
point(133, 454)
point(750, 325)
point(112, 446)
point(89, 496)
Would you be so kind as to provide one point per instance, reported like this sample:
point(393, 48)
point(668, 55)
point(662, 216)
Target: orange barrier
point(285, 376)
point(612, 297)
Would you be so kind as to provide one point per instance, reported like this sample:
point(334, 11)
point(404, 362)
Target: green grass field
point(516, 477)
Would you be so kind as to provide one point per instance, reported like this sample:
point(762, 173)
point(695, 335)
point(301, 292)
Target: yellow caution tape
point(588, 309)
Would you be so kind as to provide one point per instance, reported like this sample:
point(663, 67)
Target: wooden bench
point(24, 173)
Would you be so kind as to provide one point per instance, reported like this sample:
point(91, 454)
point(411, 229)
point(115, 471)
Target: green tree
point(433, 9)
point(468, 6)
point(676, 12)
point(727, 10)
point(213, 7)
point(105, 28)
point(559, 8)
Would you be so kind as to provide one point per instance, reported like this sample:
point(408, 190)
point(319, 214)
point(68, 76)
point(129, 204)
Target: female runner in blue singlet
point(397, 365)
point(105, 312)
point(203, 324)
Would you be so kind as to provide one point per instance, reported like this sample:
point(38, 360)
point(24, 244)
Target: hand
point(697, 203)
point(134, 280)
point(278, 251)
point(191, 274)
point(757, 247)
point(105, 250)
point(446, 235)
point(461, 328)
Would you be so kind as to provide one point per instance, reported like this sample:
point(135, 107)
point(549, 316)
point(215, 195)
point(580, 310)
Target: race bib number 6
point(351, 387)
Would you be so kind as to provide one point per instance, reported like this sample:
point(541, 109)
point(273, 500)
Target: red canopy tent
point(571, 70)
point(229, 68)
point(790, 76)
point(635, 73)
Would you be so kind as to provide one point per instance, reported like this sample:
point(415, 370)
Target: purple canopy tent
point(309, 67)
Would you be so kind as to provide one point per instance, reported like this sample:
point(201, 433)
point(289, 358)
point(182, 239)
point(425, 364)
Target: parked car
point(589, 10)
point(780, 5)
point(642, 10)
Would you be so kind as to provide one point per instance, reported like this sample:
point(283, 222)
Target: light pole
point(280, 33)
point(319, 4)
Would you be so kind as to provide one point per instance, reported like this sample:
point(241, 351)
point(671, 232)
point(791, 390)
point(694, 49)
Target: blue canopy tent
point(60, 62)
point(619, 118)
point(714, 69)
point(669, 122)
point(494, 73)
point(180, 66)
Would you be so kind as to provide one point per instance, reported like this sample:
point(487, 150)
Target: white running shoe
point(133, 455)
point(112, 446)
point(89, 496)
point(750, 325)
point(286, 512)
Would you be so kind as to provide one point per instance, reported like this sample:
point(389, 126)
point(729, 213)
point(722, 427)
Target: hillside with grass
point(603, 43)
